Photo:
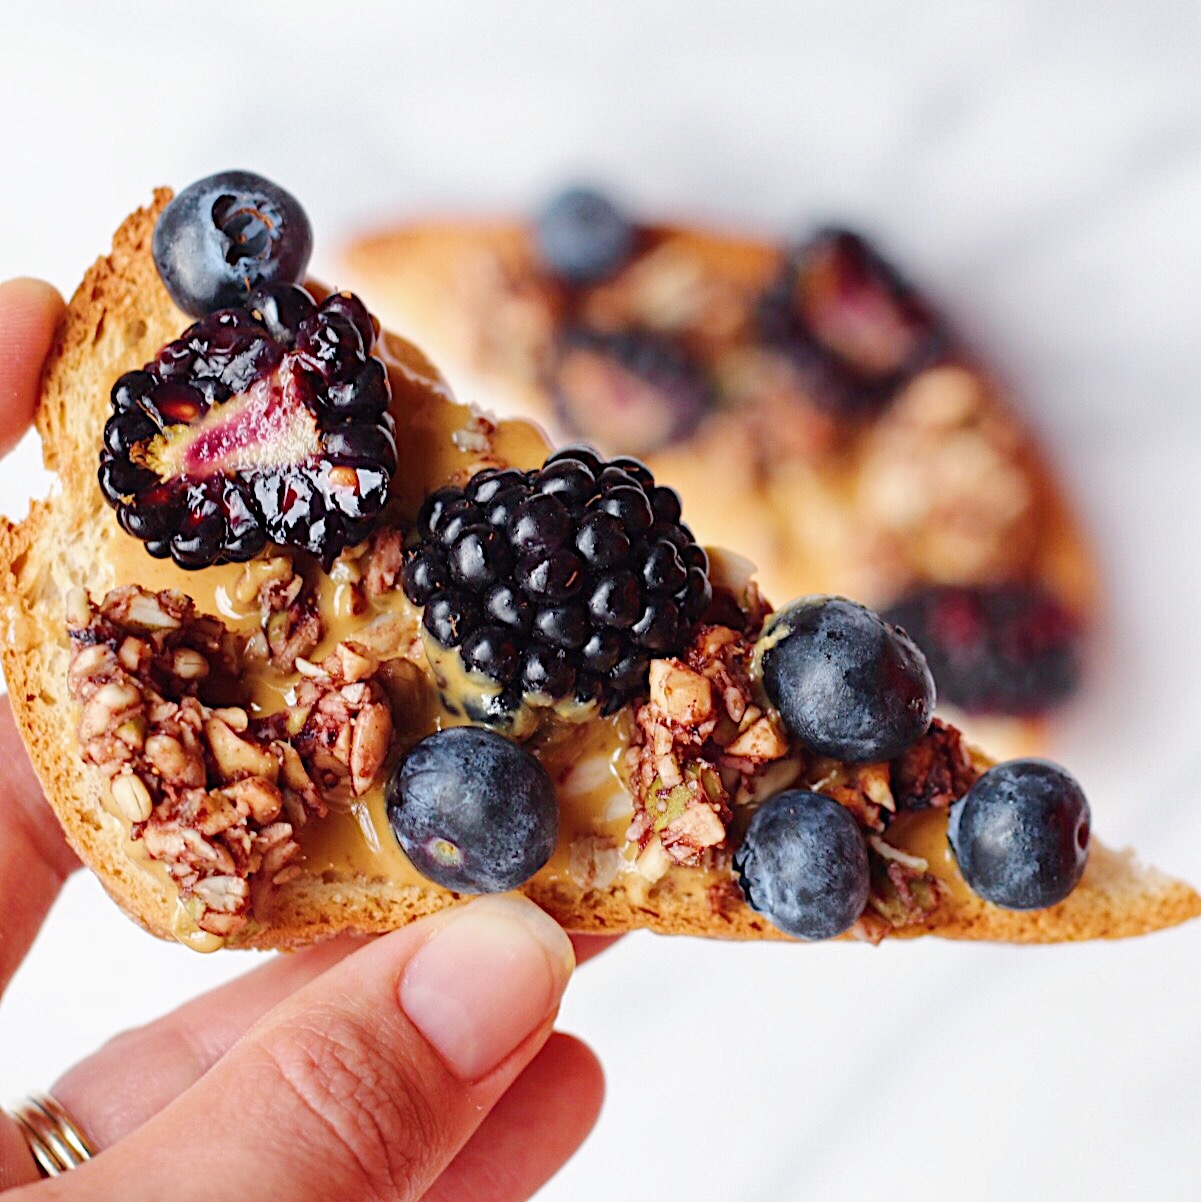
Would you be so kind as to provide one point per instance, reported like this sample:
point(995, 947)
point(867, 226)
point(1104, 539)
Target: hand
point(421, 1064)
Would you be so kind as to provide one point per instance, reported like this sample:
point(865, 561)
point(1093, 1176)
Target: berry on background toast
point(301, 645)
point(812, 409)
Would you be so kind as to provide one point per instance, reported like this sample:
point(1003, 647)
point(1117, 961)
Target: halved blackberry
point(856, 330)
point(261, 424)
point(630, 389)
point(558, 583)
point(1001, 649)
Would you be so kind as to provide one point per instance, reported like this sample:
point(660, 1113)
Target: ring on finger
point(53, 1137)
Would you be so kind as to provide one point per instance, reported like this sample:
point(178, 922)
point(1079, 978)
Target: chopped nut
point(684, 696)
point(594, 861)
point(116, 697)
point(168, 757)
point(202, 793)
point(383, 562)
point(761, 740)
point(653, 862)
point(189, 665)
point(369, 745)
point(259, 573)
point(97, 660)
point(131, 796)
point(234, 717)
point(146, 610)
point(78, 607)
point(132, 732)
point(308, 668)
point(356, 661)
point(235, 756)
point(224, 894)
point(261, 797)
point(134, 654)
point(697, 828)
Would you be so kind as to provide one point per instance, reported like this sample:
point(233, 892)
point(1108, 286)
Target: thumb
point(365, 1083)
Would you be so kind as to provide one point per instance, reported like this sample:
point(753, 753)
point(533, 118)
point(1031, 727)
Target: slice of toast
point(940, 485)
point(348, 873)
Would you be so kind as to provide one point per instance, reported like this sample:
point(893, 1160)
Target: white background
point(1037, 165)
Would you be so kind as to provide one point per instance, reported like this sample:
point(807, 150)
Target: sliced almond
point(369, 746)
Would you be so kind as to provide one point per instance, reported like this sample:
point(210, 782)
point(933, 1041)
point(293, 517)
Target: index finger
point(29, 313)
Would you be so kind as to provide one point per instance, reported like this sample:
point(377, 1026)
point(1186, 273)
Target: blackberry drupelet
point(1001, 649)
point(631, 389)
point(856, 330)
point(261, 424)
point(558, 583)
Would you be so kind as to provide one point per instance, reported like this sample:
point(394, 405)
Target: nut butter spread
point(622, 781)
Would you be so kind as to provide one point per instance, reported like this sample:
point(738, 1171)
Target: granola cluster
point(931, 774)
point(702, 746)
point(215, 795)
point(699, 742)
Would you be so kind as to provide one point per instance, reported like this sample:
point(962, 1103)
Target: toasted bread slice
point(941, 486)
point(351, 875)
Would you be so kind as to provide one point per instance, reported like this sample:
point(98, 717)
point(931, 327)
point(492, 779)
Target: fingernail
point(490, 974)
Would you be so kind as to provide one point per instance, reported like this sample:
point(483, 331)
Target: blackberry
point(630, 389)
point(569, 591)
point(855, 329)
point(1003, 649)
point(261, 424)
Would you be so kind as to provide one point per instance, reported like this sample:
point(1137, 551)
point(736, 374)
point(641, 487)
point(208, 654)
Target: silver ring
point(52, 1135)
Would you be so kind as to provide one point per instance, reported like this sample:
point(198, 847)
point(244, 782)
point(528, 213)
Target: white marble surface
point(1038, 165)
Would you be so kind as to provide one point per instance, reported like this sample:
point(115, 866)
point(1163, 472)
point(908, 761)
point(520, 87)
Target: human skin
point(421, 1064)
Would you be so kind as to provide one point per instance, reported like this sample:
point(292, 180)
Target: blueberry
point(473, 811)
point(846, 683)
point(582, 237)
point(803, 863)
point(1020, 834)
point(224, 236)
